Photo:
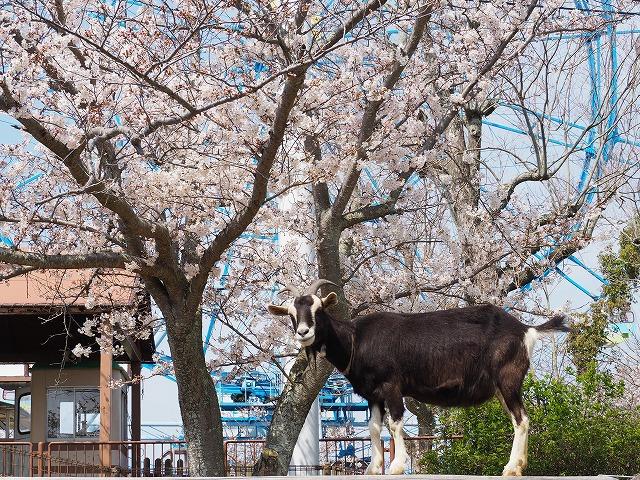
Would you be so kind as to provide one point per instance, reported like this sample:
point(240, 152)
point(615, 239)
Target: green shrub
point(575, 429)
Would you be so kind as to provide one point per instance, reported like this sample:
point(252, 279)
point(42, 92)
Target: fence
point(72, 459)
point(19, 459)
point(338, 456)
point(137, 459)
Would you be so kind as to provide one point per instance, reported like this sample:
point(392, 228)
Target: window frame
point(19, 423)
point(75, 390)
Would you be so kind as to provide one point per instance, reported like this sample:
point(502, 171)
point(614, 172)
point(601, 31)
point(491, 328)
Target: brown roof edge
point(13, 382)
point(69, 289)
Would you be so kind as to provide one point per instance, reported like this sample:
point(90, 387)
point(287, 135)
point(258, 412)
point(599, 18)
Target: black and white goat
point(456, 357)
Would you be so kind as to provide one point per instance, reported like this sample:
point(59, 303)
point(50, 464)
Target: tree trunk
point(301, 389)
point(305, 381)
point(426, 426)
point(424, 415)
point(199, 407)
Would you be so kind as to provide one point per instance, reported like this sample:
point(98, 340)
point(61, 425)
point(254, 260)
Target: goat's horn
point(288, 288)
point(313, 288)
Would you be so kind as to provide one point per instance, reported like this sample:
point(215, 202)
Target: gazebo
point(60, 396)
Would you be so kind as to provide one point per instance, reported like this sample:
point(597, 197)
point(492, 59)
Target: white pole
point(306, 453)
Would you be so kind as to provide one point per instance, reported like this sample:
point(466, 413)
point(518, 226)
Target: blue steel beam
point(576, 284)
point(595, 76)
point(618, 138)
point(575, 260)
point(510, 128)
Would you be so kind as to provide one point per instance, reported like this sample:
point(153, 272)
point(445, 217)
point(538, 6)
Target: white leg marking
point(377, 455)
point(400, 453)
point(518, 457)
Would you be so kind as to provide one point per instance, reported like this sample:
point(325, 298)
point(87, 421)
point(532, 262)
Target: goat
point(457, 357)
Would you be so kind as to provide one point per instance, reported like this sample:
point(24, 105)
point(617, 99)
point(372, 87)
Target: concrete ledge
point(429, 477)
point(381, 477)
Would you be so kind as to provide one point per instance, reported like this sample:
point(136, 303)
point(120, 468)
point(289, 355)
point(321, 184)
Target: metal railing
point(21, 459)
point(346, 455)
point(338, 456)
point(240, 456)
point(418, 446)
point(164, 458)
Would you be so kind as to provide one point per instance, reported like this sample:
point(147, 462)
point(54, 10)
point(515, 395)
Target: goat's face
point(304, 315)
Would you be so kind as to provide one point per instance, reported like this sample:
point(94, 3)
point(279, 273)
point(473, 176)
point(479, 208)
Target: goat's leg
point(518, 458)
point(375, 428)
point(396, 412)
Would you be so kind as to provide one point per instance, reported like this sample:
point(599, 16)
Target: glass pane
point(24, 418)
point(124, 416)
point(60, 413)
point(87, 413)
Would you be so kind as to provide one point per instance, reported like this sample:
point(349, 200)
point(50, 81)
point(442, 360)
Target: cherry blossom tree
point(156, 129)
point(452, 213)
point(170, 138)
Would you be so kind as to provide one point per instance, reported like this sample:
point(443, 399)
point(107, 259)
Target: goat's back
point(445, 357)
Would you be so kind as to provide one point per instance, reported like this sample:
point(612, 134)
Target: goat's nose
point(302, 331)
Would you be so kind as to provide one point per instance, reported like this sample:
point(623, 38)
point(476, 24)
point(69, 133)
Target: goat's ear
point(330, 300)
point(279, 310)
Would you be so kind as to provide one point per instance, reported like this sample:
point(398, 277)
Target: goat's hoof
point(396, 468)
point(510, 471)
point(373, 469)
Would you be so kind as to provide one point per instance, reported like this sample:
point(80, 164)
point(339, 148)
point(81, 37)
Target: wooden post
point(106, 361)
point(136, 427)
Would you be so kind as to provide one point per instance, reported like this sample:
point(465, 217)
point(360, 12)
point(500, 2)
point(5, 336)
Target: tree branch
point(372, 212)
point(369, 120)
point(239, 223)
point(96, 187)
point(130, 68)
point(57, 262)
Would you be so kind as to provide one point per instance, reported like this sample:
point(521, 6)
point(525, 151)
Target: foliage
point(621, 269)
point(575, 429)
point(588, 336)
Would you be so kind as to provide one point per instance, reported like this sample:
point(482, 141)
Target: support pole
point(306, 453)
point(136, 427)
point(106, 359)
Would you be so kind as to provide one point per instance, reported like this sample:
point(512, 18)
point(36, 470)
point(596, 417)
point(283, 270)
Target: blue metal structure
point(594, 48)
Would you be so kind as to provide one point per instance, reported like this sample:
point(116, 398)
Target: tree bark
point(199, 406)
point(304, 383)
point(305, 379)
point(426, 418)
point(424, 414)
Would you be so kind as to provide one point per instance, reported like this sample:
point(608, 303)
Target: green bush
point(575, 429)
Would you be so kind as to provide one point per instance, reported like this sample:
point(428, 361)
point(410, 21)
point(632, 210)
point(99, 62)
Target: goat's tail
point(557, 323)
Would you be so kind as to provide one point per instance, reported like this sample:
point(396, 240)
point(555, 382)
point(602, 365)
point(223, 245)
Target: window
point(24, 413)
point(73, 413)
point(124, 417)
